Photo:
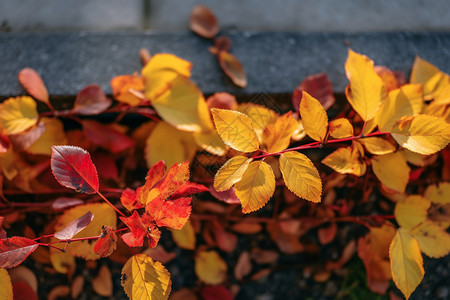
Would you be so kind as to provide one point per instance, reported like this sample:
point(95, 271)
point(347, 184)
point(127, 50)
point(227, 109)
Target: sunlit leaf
point(210, 267)
point(130, 200)
point(210, 142)
point(233, 68)
point(231, 172)
point(433, 240)
point(301, 176)
point(366, 90)
point(435, 83)
point(377, 145)
point(91, 101)
point(314, 117)
point(438, 193)
point(340, 128)
point(412, 211)
point(140, 227)
point(388, 77)
point(203, 22)
point(184, 237)
point(145, 279)
point(74, 227)
point(123, 87)
point(422, 134)
point(15, 250)
point(106, 136)
point(419, 160)
point(406, 262)
point(277, 136)
point(170, 213)
point(53, 135)
point(33, 83)
point(73, 168)
point(256, 186)
point(6, 289)
point(18, 114)
point(259, 115)
point(346, 160)
point(107, 242)
point(235, 129)
point(392, 170)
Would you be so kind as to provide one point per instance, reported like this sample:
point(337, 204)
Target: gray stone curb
point(274, 62)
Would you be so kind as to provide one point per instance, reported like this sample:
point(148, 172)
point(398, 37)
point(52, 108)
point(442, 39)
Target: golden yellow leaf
point(435, 83)
point(210, 267)
point(433, 240)
point(406, 262)
point(53, 135)
point(103, 215)
point(8, 164)
point(440, 109)
point(405, 101)
point(256, 186)
point(169, 144)
point(346, 160)
point(277, 136)
point(210, 142)
point(18, 114)
point(419, 160)
point(301, 176)
point(235, 129)
point(62, 262)
point(185, 237)
point(411, 211)
point(183, 106)
point(260, 116)
point(145, 279)
point(102, 283)
point(377, 145)
point(366, 89)
point(6, 291)
point(392, 170)
point(231, 172)
point(439, 194)
point(340, 128)
point(299, 133)
point(422, 133)
point(314, 117)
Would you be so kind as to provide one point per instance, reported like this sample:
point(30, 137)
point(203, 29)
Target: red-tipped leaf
point(15, 250)
point(75, 226)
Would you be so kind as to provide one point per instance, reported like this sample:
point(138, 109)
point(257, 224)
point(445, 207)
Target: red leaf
point(317, 85)
point(222, 101)
point(34, 84)
point(4, 142)
point(2, 231)
point(226, 241)
point(91, 101)
point(228, 196)
point(74, 227)
point(23, 291)
point(106, 165)
point(203, 22)
point(64, 202)
point(107, 242)
point(217, 292)
point(106, 136)
point(73, 168)
point(130, 200)
point(154, 175)
point(15, 250)
point(169, 213)
point(140, 227)
point(189, 188)
point(222, 43)
point(232, 68)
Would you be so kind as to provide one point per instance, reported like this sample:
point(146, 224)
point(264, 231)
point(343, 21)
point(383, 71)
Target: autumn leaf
point(184, 237)
point(412, 211)
point(130, 200)
point(53, 135)
point(102, 283)
point(319, 87)
point(256, 186)
point(422, 134)
point(18, 114)
point(170, 213)
point(6, 289)
point(235, 129)
point(73, 168)
point(203, 22)
point(439, 194)
point(433, 240)
point(62, 203)
point(435, 83)
point(210, 267)
point(392, 170)
point(145, 279)
point(107, 242)
point(300, 176)
point(91, 100)
point(24, 140)
point(62, 262)
point(388, 77)
point(314, 117)
point(210, 142)
point(74, 227)
point(233, 68)
point(340, 128)
point(366, 89)
point(33, 83)
point(277, 136)
point(419, 160)
point(346, 160)
point(124, 88)
point(406, 262)
point(231, 172)
point(260, 116)
point(222, 101)
point(106, 136)
point(140, 228)
point(376, 145)
point(15, 250)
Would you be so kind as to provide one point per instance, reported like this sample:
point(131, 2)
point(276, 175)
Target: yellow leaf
point(439, 194)
point(260, 116)
point(340, 128)
point(6, 291)
point(169, 144)
point(433, 240)
point(300, 176)
point(185, 237)
point(277, 136)
point(411, 211)
point(256, 186)
point(210, 267)
point(231, 172)
point(406, 262)
point(440, 109)
point(62, 262)
point(53, 135)
point(145, 279)
point(417, 159)
point(314, 117)
point(102, 283)
point(8, 164)
point(103, 215)
point(422, 134)
point(210, 142)
point(377, 145)
point(392, 170)
point(435, 83)
point(346, 160)
point(18, 114)
point(366, 89)
point(299, 133)
point(405, 101)
point(183, 106)
point(235, 129)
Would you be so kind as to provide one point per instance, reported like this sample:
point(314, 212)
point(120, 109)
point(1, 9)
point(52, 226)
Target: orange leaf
point(346, 160)
point(388, 77)
point(277, 136)
point(107, 242)
point(34, 84)
point(232, 68)
point(130, 200)
point(170, 213)
point(203, 22)
point(140, 227)
point(122, 87)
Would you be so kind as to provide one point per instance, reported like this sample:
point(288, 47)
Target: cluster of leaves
point(396, 129)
